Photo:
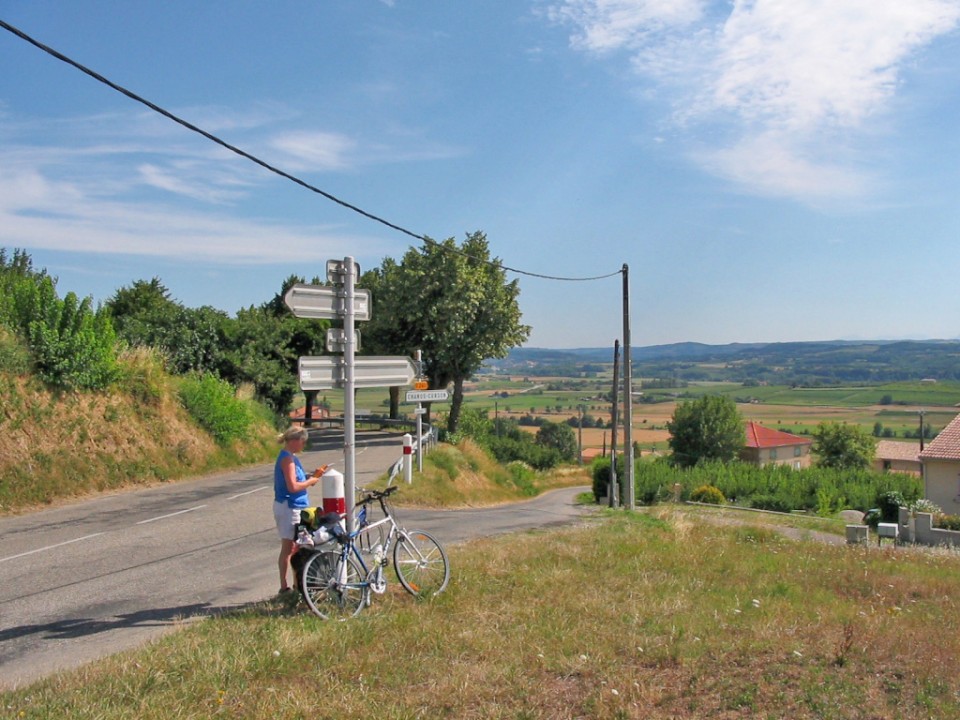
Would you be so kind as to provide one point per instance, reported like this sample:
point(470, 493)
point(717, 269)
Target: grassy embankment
point(55, 446)
point(654, 615)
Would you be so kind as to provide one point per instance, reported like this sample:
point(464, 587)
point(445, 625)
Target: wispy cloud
point(114, 184)
point(780, 84)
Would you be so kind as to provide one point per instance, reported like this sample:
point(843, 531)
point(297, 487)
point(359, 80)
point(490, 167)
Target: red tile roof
point(759, 436)
point(946, 445)
point(895, 450)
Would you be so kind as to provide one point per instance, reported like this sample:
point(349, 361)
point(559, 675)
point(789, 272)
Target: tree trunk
point(395, 402)
point(454, 419)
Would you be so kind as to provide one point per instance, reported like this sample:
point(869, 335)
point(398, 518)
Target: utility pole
point(922, 411)
point(580, 434)
point(614, 489)
point(629, 491)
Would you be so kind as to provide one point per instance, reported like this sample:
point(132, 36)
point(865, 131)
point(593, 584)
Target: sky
point(767, 170)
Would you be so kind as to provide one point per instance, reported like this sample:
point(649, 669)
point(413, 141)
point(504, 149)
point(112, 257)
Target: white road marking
point(249, 492)
point(49, 547)
point(161, 517)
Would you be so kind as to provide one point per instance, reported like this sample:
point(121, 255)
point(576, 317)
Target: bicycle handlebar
point(371, 495)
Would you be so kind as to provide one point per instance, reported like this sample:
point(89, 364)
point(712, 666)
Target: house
point(941, 469)
point(766, 446)
point(893, 456)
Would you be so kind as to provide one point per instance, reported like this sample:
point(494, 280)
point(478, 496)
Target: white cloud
point(788, 77)
point(317, 151)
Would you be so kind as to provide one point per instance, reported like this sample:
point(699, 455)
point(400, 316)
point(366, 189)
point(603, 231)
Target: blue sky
point(771, 170)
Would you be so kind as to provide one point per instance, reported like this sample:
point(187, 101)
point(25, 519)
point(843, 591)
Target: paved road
point(92, 578)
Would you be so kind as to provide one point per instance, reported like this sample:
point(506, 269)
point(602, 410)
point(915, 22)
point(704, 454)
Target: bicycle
point(338, 583)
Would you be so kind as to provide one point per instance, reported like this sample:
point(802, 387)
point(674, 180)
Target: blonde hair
point(293, 432)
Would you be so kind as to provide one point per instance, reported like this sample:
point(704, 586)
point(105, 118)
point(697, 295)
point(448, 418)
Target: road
point(88, 579)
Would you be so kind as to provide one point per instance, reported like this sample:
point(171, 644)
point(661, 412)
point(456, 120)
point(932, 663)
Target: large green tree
point(453, 303)
point(709, 428)
point(191, 339)
point(842, 446)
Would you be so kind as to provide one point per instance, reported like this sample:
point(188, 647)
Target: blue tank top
point(280, 493)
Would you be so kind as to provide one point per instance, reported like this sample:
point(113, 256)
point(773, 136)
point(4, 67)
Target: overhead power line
point(253, 158)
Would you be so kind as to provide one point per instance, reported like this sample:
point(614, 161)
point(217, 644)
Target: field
point(896, 406)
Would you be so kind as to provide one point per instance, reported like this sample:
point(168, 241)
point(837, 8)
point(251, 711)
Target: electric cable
point(271, 168)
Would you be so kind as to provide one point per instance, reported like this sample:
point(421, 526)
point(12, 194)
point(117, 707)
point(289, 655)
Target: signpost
point(422, 396)
point(344, 301)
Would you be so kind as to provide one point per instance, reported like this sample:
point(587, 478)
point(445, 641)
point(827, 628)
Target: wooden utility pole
point(614, 491)
point(629, 490)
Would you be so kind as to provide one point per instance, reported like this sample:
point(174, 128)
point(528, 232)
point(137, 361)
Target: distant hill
point(827, 362)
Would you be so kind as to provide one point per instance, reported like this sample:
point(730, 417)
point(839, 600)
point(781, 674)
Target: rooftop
point(946, 445)
point(759, 436)
point(893, 450)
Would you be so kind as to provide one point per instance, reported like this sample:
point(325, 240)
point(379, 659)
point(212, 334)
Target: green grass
point(634, 616)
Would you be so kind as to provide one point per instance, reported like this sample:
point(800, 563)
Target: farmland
point(896, 406)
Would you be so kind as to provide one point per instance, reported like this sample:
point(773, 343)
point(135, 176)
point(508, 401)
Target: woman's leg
point(286, 552)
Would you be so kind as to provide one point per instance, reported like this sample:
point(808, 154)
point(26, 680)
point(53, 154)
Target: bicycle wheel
point(420, 563)
point(333, 585)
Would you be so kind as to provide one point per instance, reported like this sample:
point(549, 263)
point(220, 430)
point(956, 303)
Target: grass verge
point(634, 616)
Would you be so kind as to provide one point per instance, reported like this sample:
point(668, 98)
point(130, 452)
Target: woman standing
point(290, 484)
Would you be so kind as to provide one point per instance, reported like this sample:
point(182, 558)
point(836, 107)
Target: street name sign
point(427, 396)
point(322, 302)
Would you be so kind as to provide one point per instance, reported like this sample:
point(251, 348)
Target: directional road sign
point(325, 303)
point(427, 396)
point(323, 373)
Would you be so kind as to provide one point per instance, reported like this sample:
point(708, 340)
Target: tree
point(191, 340)
point(454, 304)
point(559, 436)
point(709, 428)
point(842, 446)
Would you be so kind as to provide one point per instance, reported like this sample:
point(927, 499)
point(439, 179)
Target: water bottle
point(377, 554)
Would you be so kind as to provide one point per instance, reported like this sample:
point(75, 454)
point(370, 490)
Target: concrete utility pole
point(629, 500)
point(614, 491)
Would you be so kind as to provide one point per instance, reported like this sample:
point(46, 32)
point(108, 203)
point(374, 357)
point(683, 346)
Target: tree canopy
point(709, 428)
point(453, 303)
point(842, 446)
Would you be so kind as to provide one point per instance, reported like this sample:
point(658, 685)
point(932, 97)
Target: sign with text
point(427, 396)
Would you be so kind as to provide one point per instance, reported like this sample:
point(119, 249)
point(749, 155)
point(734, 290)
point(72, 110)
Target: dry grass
point(633, 617)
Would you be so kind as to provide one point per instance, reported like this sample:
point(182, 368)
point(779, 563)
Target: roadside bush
point(708, 494)
point(523, 476)
point(214, 405)
point(600, 474)
point(889, 504)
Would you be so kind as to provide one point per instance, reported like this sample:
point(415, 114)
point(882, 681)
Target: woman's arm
point(290, 476)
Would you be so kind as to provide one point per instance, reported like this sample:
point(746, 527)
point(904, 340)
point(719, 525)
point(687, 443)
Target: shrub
point(708, 494)
point(889, 504)
point(946, 522)
point(214, 405)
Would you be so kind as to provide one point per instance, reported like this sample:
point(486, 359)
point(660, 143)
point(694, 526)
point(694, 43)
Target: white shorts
point(286, 518)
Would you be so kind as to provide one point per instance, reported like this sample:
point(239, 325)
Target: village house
point(894, 456)
point(766, 446)
point(941, 469)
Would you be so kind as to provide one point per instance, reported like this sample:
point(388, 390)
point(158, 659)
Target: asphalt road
point(88, 579)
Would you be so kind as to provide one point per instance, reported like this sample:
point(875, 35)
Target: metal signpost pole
point(349, 411)
point(419, 437)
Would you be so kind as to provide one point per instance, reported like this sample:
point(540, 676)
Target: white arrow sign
point(325, 303)
point(323, 373)
point(427, 396)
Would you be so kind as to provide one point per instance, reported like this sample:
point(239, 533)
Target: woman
point(290, 484)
